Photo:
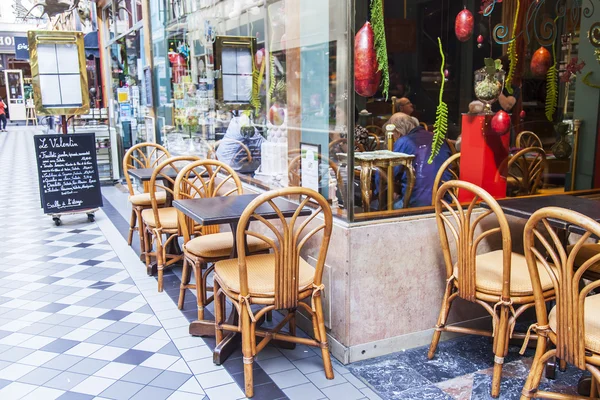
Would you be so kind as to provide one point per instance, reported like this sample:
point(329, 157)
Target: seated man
point(411, 138)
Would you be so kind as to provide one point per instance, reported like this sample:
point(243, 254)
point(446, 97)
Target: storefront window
point(541, 75)
point(261, 87)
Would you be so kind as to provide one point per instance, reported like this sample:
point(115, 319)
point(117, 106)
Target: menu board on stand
point(68, 174)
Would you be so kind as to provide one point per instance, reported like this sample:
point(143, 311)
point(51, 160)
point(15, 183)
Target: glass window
point(282, 118)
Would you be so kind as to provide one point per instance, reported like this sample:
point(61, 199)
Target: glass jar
point(488, 87)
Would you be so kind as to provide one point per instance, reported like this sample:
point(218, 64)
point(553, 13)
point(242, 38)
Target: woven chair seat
point(167, 216)
point(219, 245)
point(489, 275)
point(143, 199)
point(586, 252)
point(261, 275)
point(591, 319)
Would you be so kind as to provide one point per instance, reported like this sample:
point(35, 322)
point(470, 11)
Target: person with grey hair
point(411, 138)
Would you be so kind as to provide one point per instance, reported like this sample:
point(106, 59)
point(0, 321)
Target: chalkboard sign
point(68, 172)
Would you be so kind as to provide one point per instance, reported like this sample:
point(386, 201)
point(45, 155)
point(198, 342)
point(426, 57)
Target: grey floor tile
point(120, 327)
point(135, 357)
point(75, 396)
point(126, 341)
point(60, 345)
point(308, 365)
point(286, 379)
point(274, 365)
point(102, 338)
point(77, 322)
point(320, 380)
point(345, 391)
point(39, 376)
point(66, 380)
point(152, 393)
point(14, 354)
point(63, 362)
point(143, 330)
point(58, 331)
point(121, 390)
point(142, 375)
point(307, 391)
point(170, 380)
point(88, 366)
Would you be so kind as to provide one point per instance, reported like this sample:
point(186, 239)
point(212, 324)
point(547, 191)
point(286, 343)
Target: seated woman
point(411, 138)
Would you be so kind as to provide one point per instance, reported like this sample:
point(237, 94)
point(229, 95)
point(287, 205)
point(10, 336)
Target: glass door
point(14, 94)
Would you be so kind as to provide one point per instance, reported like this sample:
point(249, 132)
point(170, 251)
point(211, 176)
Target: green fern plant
point(441, 114)
point(551, 87)
point(378, 23)
point(513, 58)
point(271, 76)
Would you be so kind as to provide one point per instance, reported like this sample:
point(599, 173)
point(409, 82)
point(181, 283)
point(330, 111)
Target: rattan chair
point(452, 165)
point(528, 139)
point(163, 221)
point(143, 155)
point(586, 252)
point(202, 179)
point(498, 280)
point(525, 170)
point(281, 280)
point(573, 325)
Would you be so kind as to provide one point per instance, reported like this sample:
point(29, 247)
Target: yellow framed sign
point(58, 72)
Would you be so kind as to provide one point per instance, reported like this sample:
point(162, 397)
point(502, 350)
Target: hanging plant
point(512, 54)
point(378, 23)
point(257, 78)
point(441, 114)
point(551, 87)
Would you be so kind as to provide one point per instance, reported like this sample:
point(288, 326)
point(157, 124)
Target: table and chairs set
point(257, 266)
point(557, 276)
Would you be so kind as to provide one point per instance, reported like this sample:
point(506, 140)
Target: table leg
point(410, 172)
point(365, 186)
point(390, 188)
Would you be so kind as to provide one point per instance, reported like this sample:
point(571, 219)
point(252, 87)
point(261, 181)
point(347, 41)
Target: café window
point(443, 50)
point(261, 89)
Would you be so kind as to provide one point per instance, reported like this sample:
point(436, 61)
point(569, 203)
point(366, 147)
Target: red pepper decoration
point(366, 76)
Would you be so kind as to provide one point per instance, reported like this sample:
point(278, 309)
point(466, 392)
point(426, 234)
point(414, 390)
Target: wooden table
point(386, 160)
point(222, 211)
point(145, 174)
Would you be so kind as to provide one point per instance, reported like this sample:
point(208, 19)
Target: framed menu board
point(234, 58)
point(58, 72)
point(68, 172)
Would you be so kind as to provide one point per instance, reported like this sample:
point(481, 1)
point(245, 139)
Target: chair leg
point(148, 240)
point(501, 337)
point(594, 388)
point(141, 229)
point(292, 323)
point(160, 261)
point(185, 279)
point(247, 346)
point(219, 314)
point(323, 338)
point(200, 290)
point(132, 224)
point(445, 310)
point(536, 371)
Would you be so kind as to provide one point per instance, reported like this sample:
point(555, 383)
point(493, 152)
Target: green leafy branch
point(378, 23)
point(512, 54)
point(552, 87)
point(441, 114)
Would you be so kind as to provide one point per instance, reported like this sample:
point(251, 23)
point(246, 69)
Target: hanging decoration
point(573, 68)
point(500, 123)
point(586, 81)
point(479, 41)
point(258, 74)
point(441, 114)
point(367, 77)
point(552, 87)
point(513, 59)
point(378, 21)
point(541, 61)
point(463, 25)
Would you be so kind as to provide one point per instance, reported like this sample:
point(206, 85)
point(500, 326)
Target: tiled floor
point(80, 319)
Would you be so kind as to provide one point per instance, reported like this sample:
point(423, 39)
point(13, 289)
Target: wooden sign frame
point(37, 38)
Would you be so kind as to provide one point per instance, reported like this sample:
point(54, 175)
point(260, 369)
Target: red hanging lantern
point(500, 123)
point(366, 76)
point(463, 25)
point(522, 114)
point(479, 41)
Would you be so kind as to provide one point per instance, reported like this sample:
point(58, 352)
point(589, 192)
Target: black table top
point(229, 209)
point(524, 207)
point(145, 174)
